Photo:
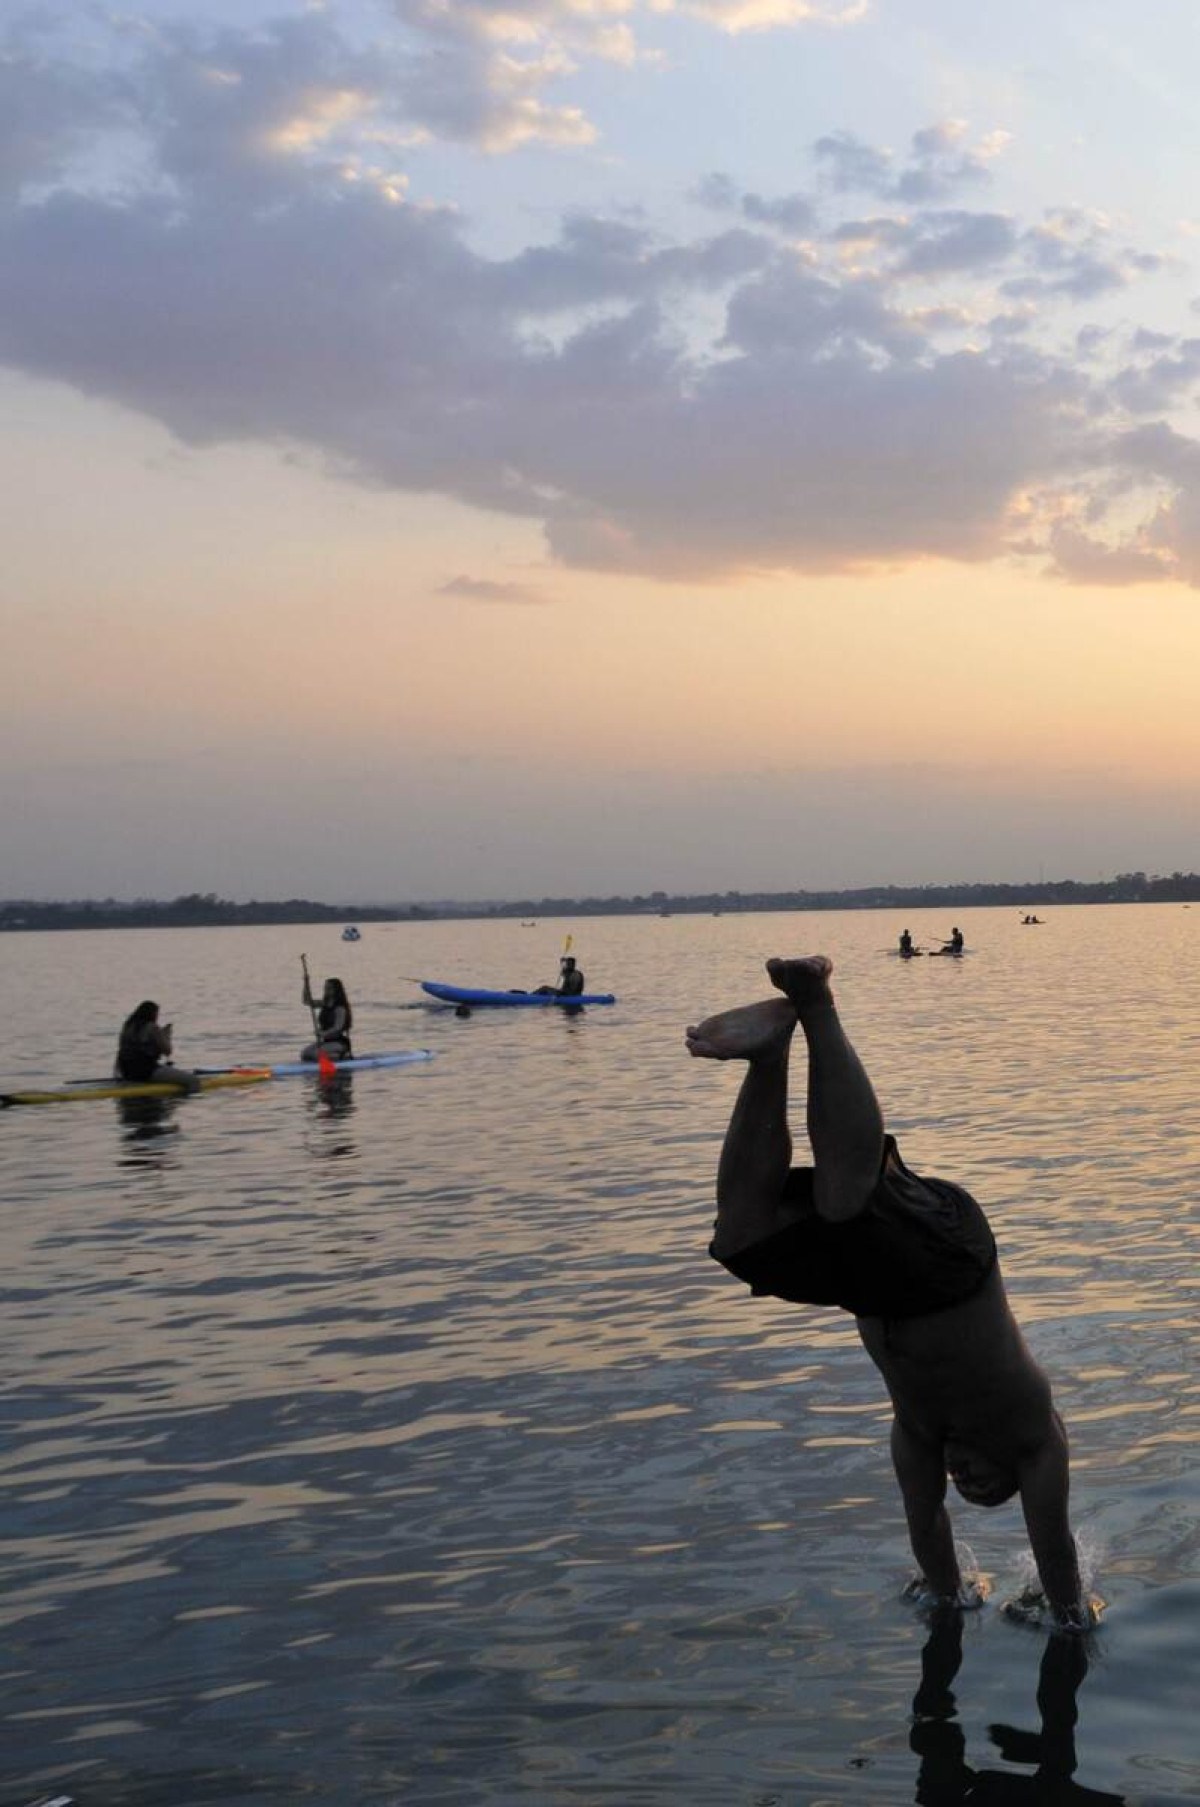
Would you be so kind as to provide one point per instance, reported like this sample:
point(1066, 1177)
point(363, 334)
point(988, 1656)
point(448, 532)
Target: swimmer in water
point(913, 1259)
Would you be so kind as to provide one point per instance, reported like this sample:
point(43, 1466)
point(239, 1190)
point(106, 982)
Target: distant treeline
point(209, 911)
point(196, 911)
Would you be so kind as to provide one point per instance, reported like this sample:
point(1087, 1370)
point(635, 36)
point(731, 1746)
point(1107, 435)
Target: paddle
point(308, 994)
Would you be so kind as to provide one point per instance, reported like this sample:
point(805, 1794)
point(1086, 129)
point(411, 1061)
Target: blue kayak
point(470, 994)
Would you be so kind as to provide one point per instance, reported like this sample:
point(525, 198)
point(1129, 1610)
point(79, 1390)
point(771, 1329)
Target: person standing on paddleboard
point(333, 1020)
point(914, 1260)
point(144, 1051)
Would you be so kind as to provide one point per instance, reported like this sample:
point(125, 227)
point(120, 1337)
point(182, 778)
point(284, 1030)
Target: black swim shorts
point(918, 1245)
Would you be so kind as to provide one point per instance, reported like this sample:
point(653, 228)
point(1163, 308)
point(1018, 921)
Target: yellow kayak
point(133, 1088)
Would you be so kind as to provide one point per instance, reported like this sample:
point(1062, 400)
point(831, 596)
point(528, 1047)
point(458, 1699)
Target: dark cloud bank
point(218, 231)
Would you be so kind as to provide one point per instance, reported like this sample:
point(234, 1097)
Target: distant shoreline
point(197, 910)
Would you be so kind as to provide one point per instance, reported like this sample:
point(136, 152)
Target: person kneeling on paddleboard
point(332, 1020)
point(144, 1051)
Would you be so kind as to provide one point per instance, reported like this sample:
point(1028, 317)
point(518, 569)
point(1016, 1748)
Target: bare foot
point(752, 1032)
point(803, 982)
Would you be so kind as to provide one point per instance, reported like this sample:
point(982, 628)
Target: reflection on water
point(946, 1779)
point(145, 1122)
point(408, 1448)
point(329, 1103)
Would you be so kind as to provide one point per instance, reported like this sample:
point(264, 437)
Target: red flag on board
point(325, 1067)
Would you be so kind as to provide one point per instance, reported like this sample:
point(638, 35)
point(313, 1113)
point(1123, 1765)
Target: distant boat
point(350, 933)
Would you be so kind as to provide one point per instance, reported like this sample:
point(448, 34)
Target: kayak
point(135, 1088)
point(467, 994)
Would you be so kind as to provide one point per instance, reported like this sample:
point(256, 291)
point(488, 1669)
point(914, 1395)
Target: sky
point(490, 449)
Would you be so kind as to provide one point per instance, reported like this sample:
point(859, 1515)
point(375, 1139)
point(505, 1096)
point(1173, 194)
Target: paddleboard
point(293, 1069)
point(467, 994)
point(133, 1088)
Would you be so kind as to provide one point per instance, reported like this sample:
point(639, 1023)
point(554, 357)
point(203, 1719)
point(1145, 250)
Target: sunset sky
point(503, 448)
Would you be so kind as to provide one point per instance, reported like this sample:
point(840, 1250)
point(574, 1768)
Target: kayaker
point(144, 1051)
point(570, 978)
point(906, 945)
point(333, 1020)
point(914, 1260)
point(955, 943)
point(570, 981)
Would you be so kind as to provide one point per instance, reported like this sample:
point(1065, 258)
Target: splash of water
point(1030, 1606)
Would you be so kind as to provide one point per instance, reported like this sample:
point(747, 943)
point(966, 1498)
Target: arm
point(1045, 1482)
point(921, 1471)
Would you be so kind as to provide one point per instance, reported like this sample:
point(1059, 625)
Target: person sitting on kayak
point(333, 1020)
point(906, 944)
point(144, 1051)
point(955, 943)
point(914, 1260)
point(570, 981)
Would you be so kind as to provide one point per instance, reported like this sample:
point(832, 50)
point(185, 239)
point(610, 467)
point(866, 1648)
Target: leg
point(169, 1074)
point(845, 1124)
point(757, 1150)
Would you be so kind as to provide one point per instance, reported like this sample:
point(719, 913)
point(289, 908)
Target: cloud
point(1082, 559)
point(939, 164)
point(477, 69)
point(1074, 254)
point(790, 213)
point(681, 406)
point(482, 589)
point(764, 15)
point(48, 111)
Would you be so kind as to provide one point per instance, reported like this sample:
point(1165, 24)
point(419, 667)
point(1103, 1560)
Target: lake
point(395, 1440)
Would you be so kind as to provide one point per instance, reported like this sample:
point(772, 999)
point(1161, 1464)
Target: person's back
point(144, 1051)
point(142, 1045)
point(570, 984)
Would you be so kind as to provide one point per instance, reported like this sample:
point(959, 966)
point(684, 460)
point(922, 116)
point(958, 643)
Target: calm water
point(398, 1442)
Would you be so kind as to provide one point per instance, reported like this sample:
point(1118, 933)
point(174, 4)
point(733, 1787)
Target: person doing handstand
point(913, 1259)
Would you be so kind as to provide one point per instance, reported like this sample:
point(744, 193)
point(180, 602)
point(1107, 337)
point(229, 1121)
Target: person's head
point(334, 992)
point(980, 1480)
point(146, 1012)
point(568, 963)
